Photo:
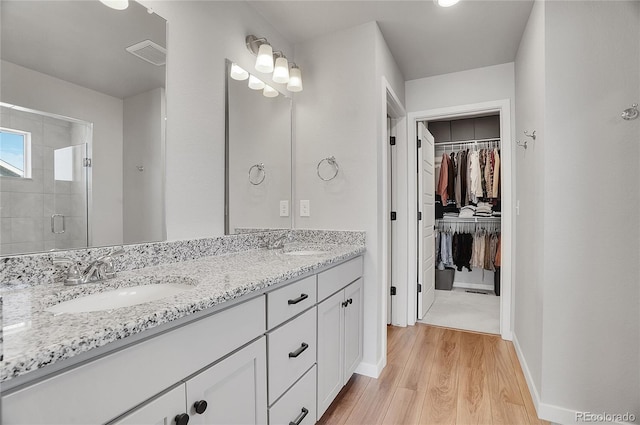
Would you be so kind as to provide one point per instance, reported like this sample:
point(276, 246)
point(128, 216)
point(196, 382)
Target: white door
point(352, 328)
point(330, 350)
point(426, 242)
point(234, 391)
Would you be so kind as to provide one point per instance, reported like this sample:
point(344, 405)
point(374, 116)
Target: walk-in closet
point(467, 231)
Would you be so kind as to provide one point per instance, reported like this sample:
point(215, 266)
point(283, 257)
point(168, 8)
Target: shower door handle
point(53, 224)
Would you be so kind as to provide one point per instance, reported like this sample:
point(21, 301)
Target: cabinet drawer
point(284, 303)
point(299, 401)
point(334, 279)
point(291, 351)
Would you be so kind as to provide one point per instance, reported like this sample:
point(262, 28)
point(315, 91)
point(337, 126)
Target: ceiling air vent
point(149, 51)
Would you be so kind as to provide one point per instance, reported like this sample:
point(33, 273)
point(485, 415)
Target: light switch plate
point(305, 208)
point(284, 208)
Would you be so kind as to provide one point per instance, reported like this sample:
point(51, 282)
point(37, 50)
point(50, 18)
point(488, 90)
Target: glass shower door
point(68, 218)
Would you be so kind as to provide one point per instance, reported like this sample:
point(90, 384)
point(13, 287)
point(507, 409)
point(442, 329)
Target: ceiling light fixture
point(295, 79)
point(237, 73)
point(116, 4)
point(445, 3)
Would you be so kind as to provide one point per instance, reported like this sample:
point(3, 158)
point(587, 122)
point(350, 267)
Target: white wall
point(461, 88)
point(31, 89)
point(530, 177)
point(144, 145)
point(592, 234)
point(337, 114)
point(200, 36)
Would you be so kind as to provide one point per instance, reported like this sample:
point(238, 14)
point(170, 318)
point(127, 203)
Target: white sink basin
point(121, 297)
point(307, 252)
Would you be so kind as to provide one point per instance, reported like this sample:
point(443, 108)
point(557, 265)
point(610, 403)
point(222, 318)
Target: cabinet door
point(352, 328)
point(235, 389)
point(330, 350)
point(160, 411)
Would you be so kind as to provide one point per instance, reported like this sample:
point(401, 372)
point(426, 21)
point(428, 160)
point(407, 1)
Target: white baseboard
point(546, 411)
point(370, 369)
point(527, 374)
point(477, 286)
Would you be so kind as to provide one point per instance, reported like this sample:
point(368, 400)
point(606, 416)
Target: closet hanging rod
point(461, 142)
point(473, 219)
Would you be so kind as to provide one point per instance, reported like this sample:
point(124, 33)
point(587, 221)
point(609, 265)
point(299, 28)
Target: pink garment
point(443, 179)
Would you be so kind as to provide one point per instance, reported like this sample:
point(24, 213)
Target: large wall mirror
point(82, 120)
point(258, 155)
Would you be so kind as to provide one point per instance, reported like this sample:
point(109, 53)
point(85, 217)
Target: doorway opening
point(476, 286)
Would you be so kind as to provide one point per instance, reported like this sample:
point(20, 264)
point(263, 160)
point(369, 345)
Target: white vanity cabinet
point(339, 330)
point(278, 357)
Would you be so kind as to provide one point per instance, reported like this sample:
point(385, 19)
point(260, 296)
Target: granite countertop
point(35, 338)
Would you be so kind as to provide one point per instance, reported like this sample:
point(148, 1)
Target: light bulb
point(269, 91)
point(264, 62)
point(281, 71)
point(255, 83)
point(237, 73)
point(446, 3)
point(116, 4)
point(295, 79)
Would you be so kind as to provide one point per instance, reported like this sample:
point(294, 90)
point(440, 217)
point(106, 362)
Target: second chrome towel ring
point(257, 174)
point(332, 162)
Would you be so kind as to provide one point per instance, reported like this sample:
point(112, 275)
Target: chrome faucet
point(278, 242)
point(99, 269)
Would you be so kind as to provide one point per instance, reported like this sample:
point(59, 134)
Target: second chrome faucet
point(97, 270)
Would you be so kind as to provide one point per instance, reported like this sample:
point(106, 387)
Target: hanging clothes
point(443, 179)
point(496, 173)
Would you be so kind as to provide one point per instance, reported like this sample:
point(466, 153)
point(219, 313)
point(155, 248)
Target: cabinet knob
point(350, 300)
point(182, 419)
point(200, 406)
point(345, 303)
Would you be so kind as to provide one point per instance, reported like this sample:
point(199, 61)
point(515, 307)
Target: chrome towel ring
point(331, 160)
point(254, 177)
point(631, 113)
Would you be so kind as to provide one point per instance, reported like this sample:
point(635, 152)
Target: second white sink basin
point(121, 297)
point(306, 252)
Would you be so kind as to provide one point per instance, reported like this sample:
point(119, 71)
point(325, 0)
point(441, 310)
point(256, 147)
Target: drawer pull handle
point(182, 419)
point(300, 417)
point(302, 297)
point(200, 406)
point(299, 351)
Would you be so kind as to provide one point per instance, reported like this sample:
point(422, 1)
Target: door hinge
point(393, 290)
point(86, 162)
point(419, 143)
point(419, 215)
point(419, 288)
point(393, 216)
point(392, 140)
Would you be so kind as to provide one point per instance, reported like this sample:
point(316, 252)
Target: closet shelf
point(468, 219)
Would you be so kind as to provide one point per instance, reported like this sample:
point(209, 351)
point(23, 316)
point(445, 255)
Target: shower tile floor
point(459, 309)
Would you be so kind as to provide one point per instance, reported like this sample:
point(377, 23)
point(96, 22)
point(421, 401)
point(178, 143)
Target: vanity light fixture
point(281, 70)
point(116, 4)
point(255, 83)
point(269, 91)
point(237, 73)
point(295, 79)
point(445, 3)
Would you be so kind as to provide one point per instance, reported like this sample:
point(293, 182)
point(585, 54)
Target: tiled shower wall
point(26, 205)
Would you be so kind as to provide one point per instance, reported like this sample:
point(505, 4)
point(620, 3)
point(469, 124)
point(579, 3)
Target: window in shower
point(15, 153)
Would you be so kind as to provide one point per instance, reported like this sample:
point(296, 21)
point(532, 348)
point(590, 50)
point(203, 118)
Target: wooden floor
point(439, 376)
